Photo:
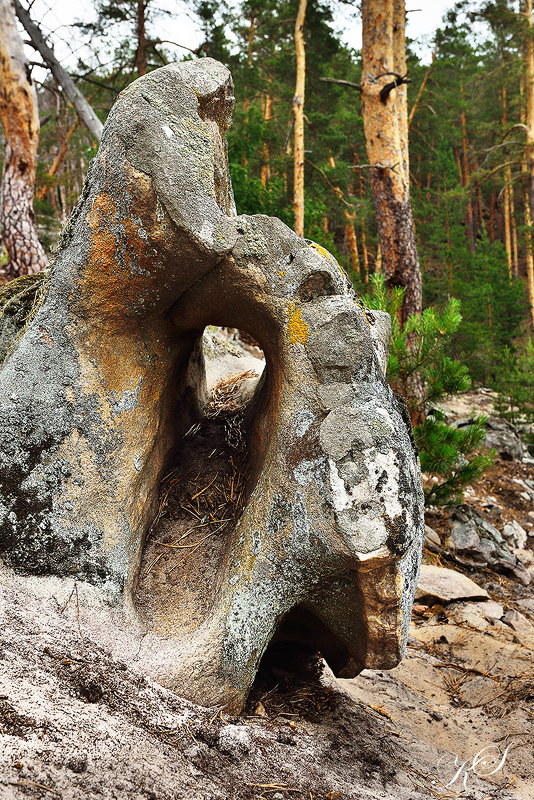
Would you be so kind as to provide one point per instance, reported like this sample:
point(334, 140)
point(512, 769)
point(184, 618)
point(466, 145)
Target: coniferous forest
point(470, 141)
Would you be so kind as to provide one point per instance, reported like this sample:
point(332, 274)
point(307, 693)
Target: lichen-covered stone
point(97, 395)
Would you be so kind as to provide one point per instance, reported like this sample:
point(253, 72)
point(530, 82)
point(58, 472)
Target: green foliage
point(417, 350)
point(515, 384)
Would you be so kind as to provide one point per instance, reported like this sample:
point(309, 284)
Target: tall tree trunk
point(421, 89)
point(246, 101)
point(83, 109)
point(267, 116)
point(529, 64)
point(20, 119)
point(58, 159)
point(386, 135)
point(491, 226)
point(298, 116)
point(528, 161)
point(529, 255)
point(470, 217)
point(507, 214)
point(515, 252)
point(350, 235)
point(140, 55)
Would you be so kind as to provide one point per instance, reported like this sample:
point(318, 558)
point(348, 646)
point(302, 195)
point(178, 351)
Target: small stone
point(432, 540)
point(518, 622)
point(515, 533)
point(437, 715)
point(446, 585)
point(235, 740)
point(77, 762)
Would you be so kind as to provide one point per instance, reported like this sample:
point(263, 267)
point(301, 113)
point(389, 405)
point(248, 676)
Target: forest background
point(469, 150)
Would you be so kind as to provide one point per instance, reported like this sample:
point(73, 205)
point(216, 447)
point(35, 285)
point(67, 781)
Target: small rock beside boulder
point(475, 542)
point(446, 585)
point(501, 435)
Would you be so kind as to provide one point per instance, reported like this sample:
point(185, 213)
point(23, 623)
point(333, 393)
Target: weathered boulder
point(105, 394)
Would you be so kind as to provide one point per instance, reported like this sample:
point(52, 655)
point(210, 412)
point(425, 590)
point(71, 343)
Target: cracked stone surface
point(98, 393)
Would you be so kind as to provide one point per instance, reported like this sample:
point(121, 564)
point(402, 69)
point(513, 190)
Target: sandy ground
point(77, 723)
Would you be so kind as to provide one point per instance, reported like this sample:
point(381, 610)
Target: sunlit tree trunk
point(350, 234)
point(20, 119)
point(298, 116)
point(507, 214)
point(528, 161)
point(250, 57)
point(58, 160)
point(266, 165)
point(385, 119)
point(386, 135)
point(529, 255)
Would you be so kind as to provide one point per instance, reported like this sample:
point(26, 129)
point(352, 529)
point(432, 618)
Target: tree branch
point(340, 82)
point(386, 90)
point(83, 109)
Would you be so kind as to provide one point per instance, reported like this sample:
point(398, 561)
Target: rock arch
point(103, 385)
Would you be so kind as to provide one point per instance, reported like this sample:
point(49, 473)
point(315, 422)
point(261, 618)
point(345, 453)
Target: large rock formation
point(103, 393)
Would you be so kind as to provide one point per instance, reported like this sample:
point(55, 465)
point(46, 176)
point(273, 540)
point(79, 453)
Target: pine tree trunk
point(266, 165)
point(515, 252)
point(20, 119)
point(83, 109)
point(470, 217)
point(386, 135)
point(350, 233)
point(529, 255)
point(140, 56)
point(528, 161)
point(491, 225)
point(421, 89)
point(529, 63)
point(58, 160)
point(507, 230)
point(298, 116)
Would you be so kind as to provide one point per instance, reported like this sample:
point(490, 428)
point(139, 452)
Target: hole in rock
point(294, 657)
point(207, 480)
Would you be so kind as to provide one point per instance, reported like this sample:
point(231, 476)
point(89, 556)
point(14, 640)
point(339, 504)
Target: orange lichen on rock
point(325, 254)
point(297, 329)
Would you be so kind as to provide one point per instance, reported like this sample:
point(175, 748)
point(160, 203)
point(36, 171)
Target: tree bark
point(529, 254)
point(506, 193)
point(421, 89)
point(298, 116)
point(83, 109)
point(58, 160)
point(140, 55)
point(267, 116)
point(20, 119)
point(529, 64)
point(350, 235)
point(386, 134)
